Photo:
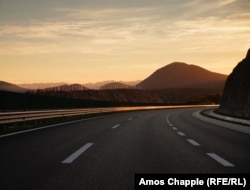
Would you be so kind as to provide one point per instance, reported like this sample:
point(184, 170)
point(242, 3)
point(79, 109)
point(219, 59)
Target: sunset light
point(124, 94)
point(89, 41)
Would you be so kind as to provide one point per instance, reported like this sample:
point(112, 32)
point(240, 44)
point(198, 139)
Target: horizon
point(105, 81)
point(84, 41)
point(88, 83)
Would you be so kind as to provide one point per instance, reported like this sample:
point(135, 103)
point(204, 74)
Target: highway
point(105, 152)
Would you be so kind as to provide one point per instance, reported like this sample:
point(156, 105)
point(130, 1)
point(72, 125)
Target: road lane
point(229, 144)
point(32, 159)
point(138, 148)
point(145, 144)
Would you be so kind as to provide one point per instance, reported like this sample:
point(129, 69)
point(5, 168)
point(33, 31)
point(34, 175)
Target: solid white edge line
point(193, 142)
point(181, 134)
point(220, 160)
point(115, 126)
point(77, 153)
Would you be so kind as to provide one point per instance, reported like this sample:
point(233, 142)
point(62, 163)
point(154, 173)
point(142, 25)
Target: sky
point(81, 41)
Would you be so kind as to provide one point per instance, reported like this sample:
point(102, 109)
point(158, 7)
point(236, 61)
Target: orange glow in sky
point(88, 41)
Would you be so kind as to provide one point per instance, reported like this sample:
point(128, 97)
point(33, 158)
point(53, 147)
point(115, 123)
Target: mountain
point(66, 88)
point(98, 85)
point(5, 86)
point(36, 86)
point(235, 100)
point(182, 75)
point(116, 85)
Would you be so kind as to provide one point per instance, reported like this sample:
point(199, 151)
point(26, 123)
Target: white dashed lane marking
point(77, 153)
point(193, 142)
point(115, 126)
point(181, 133)
point(214, 156)
point(220, 160)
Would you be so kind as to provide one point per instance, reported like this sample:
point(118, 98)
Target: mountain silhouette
point(99, 85)
point(36, 86)
point(116, 85)
point(5, 86)
point(67, 88)
point(182, 75)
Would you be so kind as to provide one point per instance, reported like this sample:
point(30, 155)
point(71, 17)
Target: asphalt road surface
point(105, 152)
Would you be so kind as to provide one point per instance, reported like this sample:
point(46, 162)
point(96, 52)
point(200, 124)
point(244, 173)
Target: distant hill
point(98, 85)
point(36, 86)
point(67, 88)
point(116, 85)
point(5, 86)
point(182, 75)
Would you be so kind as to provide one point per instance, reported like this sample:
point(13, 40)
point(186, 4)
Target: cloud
point(106, 27)
point(128, 29)
point(121, 37)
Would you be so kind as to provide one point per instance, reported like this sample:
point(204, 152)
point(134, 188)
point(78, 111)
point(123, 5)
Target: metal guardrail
point(15, 117)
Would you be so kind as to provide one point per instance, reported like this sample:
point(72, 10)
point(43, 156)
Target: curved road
point(105, 152)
